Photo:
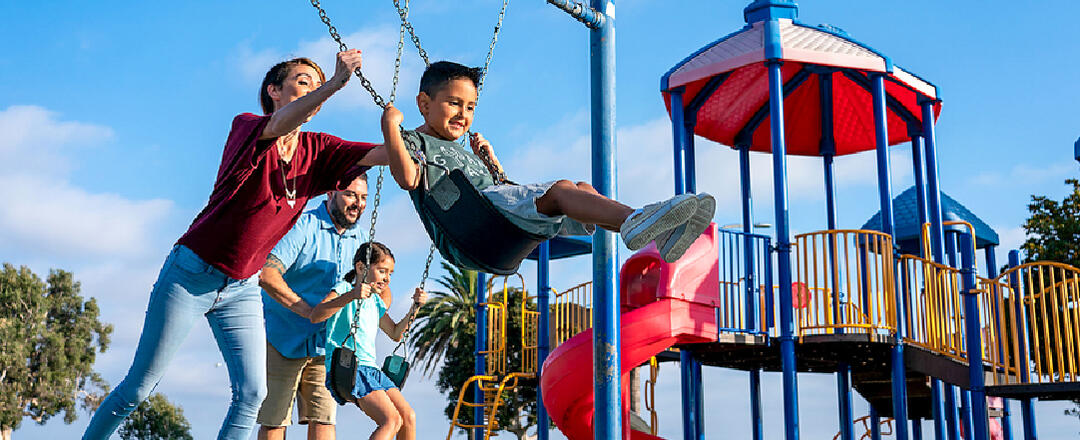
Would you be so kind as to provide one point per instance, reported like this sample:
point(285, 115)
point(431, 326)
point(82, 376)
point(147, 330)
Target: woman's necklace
point(290, 194)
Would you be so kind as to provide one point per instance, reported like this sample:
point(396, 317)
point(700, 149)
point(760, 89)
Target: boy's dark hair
point(277, 75)
point(441, 72)
point(378, 251)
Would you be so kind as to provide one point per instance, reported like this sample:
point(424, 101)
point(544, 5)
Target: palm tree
point(441, 322)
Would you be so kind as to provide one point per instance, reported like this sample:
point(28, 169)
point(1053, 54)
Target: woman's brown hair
point(276, 77)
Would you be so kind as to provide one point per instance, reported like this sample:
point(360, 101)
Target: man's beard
point(340, 218)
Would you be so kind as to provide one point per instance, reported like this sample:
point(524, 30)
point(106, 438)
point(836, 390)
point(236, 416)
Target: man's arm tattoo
point(272, 262)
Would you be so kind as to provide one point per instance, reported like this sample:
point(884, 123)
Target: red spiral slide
point(663, 304)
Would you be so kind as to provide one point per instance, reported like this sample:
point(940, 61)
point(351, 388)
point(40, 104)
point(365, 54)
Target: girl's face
point(380, 272)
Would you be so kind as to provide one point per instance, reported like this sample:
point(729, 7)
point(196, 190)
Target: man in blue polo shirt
point(300, 271)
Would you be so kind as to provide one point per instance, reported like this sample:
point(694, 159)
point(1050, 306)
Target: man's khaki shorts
point(284, 378)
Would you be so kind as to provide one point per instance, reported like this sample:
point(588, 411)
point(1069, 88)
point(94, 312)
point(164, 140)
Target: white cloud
point(43, 214)
point(33, 140)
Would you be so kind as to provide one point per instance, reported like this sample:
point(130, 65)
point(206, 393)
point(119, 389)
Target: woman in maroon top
point(268, 171)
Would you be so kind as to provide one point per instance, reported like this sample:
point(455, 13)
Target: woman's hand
point(347, 62)
point(391, 118)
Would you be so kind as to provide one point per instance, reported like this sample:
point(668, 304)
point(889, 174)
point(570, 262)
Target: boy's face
point(449, 113)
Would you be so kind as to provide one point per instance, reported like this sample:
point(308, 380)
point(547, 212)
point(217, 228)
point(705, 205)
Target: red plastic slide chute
point(663, 304)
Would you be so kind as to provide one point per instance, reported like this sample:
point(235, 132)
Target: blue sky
point(114, 114)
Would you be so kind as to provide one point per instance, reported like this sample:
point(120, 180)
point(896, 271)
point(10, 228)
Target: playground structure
point(917, 332)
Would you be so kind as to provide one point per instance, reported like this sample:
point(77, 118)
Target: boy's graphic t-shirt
point(367, 312)
point(448, 154)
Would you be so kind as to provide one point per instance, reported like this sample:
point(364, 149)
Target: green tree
point(49, 337)
point(1053, 234)
point(445, 332)
point(156, 419)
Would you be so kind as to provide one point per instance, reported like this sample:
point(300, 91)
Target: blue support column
point(1027, 409)
point(916, 429)
point(689, 158)
point(937, 247)
point(783, 244)
point(677, 127)
point(978, 414)
point(965, 410)
point(899, 374)
point(690, 414)
point(479, 363)
point(757, 425)
point(933, 194)
point(875, 424)
point(951, 414)
point(543, 329)
point(938, 408)
point(918, 165)
point(990, 257)
point(608, 423)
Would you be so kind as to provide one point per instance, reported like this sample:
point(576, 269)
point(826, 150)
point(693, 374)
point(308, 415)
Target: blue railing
point(746, 286)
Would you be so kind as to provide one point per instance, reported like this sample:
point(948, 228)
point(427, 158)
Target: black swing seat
point(469, 231)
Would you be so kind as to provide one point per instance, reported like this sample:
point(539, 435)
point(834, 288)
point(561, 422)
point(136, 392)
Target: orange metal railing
point(572, 313)
point(844, 282)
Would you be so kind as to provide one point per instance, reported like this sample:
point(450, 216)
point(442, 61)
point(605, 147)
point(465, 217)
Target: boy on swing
point(447, 98)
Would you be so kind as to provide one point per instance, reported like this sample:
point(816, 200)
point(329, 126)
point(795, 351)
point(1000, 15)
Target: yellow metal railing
point(999, 325)
point(935, 318)
point(1047, 325)
point(844, 282)
point(572, 313)
point(490, 388)
point(530, 333)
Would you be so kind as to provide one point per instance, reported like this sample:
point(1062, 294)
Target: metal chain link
point(404, 13)
point(397, 60)
point(337, 38)
point(498, 175)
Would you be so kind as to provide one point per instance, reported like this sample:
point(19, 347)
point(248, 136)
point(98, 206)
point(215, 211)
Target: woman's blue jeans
point(186, 289)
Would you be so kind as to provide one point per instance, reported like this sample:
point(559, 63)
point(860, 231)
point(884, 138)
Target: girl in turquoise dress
point(367, 302)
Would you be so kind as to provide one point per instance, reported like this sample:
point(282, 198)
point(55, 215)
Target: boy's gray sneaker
point(650, 221)
point(673, 245)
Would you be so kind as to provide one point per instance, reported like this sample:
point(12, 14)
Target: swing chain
point(491, 46)
point(404, 14)
point(341, 45)
point(397, 61)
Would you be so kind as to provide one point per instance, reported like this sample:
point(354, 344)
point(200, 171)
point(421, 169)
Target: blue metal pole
point(783, 247)
point(978, 416)
point(920, 182)
point(677, 128)
point(480, 364)
point(938, 408)
point(543, 288)
point(843, 370)
point(608, 423)
point(899, 375)
point(689, 395)
point(965, 410)
point(751, 283)
point(933, 188)
point(952, 414)
point(875, 424)
point(952, 403)
point(699, 398)
point(1027, 408)
point(690, 158)
point(916, 429)
point(992, 272)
